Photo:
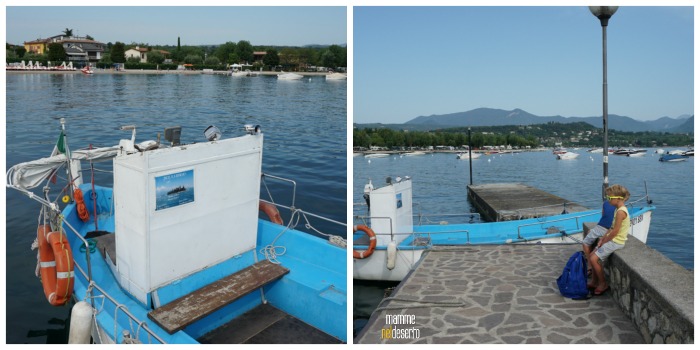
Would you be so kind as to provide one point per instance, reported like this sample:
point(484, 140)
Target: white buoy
point(80, 323)
point(391, 255)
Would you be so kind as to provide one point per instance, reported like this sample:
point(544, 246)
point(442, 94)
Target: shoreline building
point(78, 49)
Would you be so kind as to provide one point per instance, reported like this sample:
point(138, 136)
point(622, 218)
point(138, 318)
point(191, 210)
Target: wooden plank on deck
point(186, 310)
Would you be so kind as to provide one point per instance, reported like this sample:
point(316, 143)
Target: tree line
point(214, 56)
point(547, 135)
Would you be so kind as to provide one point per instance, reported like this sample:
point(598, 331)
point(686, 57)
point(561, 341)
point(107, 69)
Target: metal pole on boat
point(67, 152)
point(469, 133)
point(603, 13)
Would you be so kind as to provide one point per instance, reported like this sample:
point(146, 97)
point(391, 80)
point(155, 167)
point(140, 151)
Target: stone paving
point(502, 294)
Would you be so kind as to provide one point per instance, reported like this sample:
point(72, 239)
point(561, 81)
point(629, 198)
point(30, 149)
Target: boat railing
point(294, 186)
point(53, 207)
point(364, 219)
point(117, 308)
point(92, 283)
point(299, 213)
point(427, 217)
point(579, 225)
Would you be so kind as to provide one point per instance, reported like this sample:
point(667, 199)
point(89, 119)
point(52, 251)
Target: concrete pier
point(505, 294)
point(515, 201)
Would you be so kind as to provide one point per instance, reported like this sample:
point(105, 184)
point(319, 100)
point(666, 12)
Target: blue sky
point(414, 61)
point(274, 25)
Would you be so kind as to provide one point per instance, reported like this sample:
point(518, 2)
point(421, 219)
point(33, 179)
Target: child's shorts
point(606, 249)
point(595, 233)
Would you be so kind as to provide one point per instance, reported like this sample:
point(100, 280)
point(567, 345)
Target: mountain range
point(496, 117)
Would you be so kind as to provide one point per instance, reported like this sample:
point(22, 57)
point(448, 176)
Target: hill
point(496, 117)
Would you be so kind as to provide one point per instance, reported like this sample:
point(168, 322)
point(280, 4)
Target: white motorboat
point(336, 76)
point(567, 155)
point(376, 155)
point(637, 153)
point(289, 76)
point(465, 155)
point(415, 153)
point(244, 73)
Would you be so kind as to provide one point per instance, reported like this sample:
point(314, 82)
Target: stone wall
point(653, 291)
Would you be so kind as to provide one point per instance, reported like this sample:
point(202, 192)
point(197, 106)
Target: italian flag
point(60, 147)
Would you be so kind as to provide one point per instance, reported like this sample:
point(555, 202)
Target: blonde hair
point(618, 190)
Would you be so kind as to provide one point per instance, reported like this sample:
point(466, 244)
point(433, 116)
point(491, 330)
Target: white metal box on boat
point(179, 210)
point(391, 211)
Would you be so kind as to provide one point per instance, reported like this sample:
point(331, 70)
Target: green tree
point(328, 59)
point(20, 50)
point(212, 61)
point(245, 51)
point(193, 59)
point(68, 32)
point(56, 52)
point(155, 56)
point(223, 52)
point(271, 58)
point(233, 58)
point(178, 52)
point(340, 54)
point(117, 54)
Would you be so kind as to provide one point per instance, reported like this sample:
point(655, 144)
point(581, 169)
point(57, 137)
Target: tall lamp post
point(470, 155)
point(604, 13)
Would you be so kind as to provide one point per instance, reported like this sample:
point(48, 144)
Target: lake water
point(304, 122)
point(439, 186)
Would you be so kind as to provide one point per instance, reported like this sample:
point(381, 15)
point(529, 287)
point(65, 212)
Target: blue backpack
point(573, 280)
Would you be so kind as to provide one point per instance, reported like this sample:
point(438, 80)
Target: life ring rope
point(372, 242)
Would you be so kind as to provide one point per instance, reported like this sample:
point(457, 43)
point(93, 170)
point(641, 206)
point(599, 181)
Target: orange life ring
point(56, 262)
point(372, 242)
point(271, 212)
point(83, 213)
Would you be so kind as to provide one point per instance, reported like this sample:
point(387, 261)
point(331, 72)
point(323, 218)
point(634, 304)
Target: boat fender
point(271, 211)
point(56, 263)
point(80, 323)
point(372, 242)
point(391, 255)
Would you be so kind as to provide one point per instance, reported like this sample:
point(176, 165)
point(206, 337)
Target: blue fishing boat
point(673, 157)
point(175, 251)
point(389, 239)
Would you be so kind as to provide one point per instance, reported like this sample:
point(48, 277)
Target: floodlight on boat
point(252, 129)
point(212, 133)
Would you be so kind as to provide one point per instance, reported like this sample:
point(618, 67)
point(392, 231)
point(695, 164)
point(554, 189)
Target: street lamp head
point(603, 13)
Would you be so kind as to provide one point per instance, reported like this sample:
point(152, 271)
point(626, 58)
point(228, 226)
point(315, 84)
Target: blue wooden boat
point(389, 240)
point(175, 251)
point(670, 157)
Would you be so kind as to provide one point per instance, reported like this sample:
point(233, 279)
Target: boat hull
point(564, 229)
point(374, 267)
point(314, 291)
